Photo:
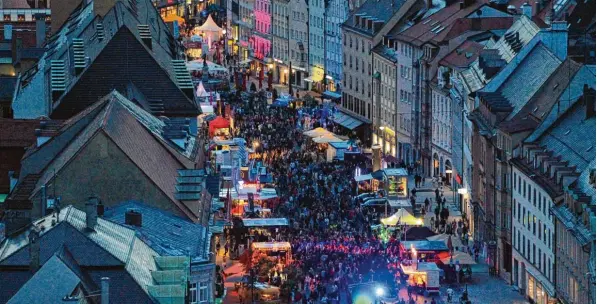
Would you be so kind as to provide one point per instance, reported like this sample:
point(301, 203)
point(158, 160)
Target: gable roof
point(537, 108)
point(377, 10)
point(95, 33)
point(50, 284)
point(463, 55)
point(165, 233)
point(137, 133)
point(118, 241)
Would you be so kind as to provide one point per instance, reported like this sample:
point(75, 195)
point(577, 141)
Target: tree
point(274, 94)
point(253, 88)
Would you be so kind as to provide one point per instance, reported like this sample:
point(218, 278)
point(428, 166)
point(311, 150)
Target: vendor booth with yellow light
point(279, 250)
point(402, 218)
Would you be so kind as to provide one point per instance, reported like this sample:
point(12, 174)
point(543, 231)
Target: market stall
point(402, 217)
point(397, 182)
point(282, 251)
point(425, 250)
point(210, 31)
point(219, 127)
point(453, 242)
point(336, 150)
point(423, 276)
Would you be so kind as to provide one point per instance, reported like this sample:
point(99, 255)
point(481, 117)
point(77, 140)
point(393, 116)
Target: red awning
point(218, 123)
point(458, 179)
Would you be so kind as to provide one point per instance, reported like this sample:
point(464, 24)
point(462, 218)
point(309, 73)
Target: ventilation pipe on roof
point(91, 212)
point(105, 291)
point(44, 201)
point(537, 8)
point(34, 250)
point(133, 217)
point(589, 101)
point(527, 10)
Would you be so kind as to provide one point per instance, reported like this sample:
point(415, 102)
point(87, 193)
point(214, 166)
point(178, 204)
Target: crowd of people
point(333, 245)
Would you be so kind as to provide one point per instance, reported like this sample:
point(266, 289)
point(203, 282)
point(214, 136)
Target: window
point(524, 240)
point(524, 188)
point(203, 298)
point(193, 293)
point(539, 225)
point(535, 197)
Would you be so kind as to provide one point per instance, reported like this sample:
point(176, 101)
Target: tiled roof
point(567, 136)
point(17, 133)
point(545, 182)
point(463, 55)
point(50, 284)
point(6, 4)
point(585, 184)
point(450, 22)
point(85, 25)
point(567, 99)
point(137, 133)
point(118, 241)
point(380, 10)
point(164, 232)
point(529, 76)
point(537, 108)
point(582, 233)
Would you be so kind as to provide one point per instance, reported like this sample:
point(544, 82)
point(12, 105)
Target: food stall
point(219, 127)
point(397, 182)
point(263, 198)
point(401, 218)
point(336, 150)
point(423, 276)
point(425, 250)
point(280, 250)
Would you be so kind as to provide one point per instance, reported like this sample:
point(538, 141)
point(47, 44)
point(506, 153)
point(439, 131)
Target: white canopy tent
point(210, 30)
point(201, 92)
point(197, 65)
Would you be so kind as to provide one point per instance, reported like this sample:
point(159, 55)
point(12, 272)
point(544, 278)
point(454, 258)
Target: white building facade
point(532, 238)
point(336, 14)
point(441, 113)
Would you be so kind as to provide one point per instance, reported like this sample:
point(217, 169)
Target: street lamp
point(379, 291)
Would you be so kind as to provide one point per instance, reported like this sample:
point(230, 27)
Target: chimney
point(589, 101)
point(102, 7)
point(105, 291)
point(44, 201)
point(91, 212)
point(60, 11)
point(34, 250)
point(428, 4)
point(100, 209)
point(558, 39)
point(537, 8)
point(133, 218)
point(8, 32)
point(40, 30)
point(527, 10)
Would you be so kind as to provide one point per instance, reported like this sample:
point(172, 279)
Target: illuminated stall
point(282, 251)
point(397, 182)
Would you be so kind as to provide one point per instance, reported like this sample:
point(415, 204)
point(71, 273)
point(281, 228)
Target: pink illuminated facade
point(261, 41)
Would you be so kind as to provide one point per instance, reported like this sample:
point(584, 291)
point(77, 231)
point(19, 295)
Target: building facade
point(280, 16)
point(384, 63)
point(533, 236)
point(337, 12)
point(360, 33)
point(317, 12)
point(299, 41)
point(261, 40)
point(243, 29)
point(442, 128)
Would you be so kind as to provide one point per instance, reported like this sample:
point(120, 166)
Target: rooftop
point(376, 11)
point(164, 232)
point(140, 135)
point(465, 54)
point(91, 34)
